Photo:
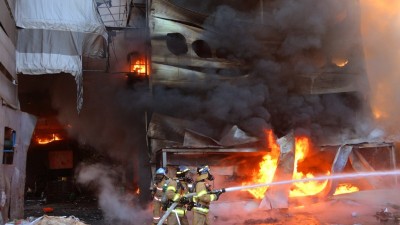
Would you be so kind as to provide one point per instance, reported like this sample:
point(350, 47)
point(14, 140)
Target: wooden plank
point(7, 54)
point(8, 22)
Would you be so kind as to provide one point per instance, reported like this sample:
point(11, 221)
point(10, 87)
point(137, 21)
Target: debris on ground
point(261, 221)
point(49, 220)
point(385, 215)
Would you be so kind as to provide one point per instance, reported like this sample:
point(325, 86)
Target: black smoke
point(307, 37)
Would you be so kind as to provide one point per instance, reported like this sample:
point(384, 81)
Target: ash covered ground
point(361, 208)
point(85, 208)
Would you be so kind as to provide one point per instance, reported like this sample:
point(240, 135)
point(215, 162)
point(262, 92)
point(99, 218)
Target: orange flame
point(345, 188)
point(139, 66)
point(267, 167)
point(304, 188)
point(46, 140)
point(137, 191)
point(269, 164)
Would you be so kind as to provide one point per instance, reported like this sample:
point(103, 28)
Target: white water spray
point(318, 178)
point(329, 177)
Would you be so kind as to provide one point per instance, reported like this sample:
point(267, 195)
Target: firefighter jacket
point(175, 190)
point(202, 198)
point(158, 189)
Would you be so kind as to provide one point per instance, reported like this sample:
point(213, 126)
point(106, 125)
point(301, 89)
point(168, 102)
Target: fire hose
point(172, 207)
point(319, 178)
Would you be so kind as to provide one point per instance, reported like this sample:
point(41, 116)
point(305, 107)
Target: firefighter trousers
point(157, 211)
point(173, 219)
point(200, 218)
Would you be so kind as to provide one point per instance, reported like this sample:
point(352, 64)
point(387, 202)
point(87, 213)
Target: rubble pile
point(50, 220)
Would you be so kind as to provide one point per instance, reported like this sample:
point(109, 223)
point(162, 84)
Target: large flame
point(267, 167)
point(269, 164)
point(304, 188)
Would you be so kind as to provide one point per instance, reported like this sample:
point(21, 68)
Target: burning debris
point(300, 178)
point(277, 197)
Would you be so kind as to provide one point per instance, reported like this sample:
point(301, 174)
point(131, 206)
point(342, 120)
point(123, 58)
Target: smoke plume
point(112, 121)
point(380, 30)
point(288, 40)
point(117, 206)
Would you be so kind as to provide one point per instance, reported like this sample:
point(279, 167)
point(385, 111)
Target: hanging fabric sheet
point(55, 35)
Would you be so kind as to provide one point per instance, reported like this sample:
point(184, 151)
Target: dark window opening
point(9, 143)
point(176, 43)
point(202, 49)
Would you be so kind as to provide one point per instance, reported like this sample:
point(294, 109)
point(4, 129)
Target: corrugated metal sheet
point(179, 70)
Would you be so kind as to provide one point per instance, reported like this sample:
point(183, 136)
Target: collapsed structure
point(303, 65)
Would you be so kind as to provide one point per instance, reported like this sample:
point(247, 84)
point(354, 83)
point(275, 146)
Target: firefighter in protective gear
point(177, 188)
point(203, 198)
point(160, 180)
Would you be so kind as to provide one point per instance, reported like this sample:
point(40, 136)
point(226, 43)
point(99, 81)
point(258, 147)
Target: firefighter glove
point(218, 193)
point(184, 200)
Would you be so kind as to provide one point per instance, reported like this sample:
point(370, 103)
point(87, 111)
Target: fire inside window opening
point(138, 64)
point(42, 140)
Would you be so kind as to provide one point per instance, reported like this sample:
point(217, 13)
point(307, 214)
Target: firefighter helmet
point(203, 169)
point(162, 171)
point(204, 173)
point(181, 171)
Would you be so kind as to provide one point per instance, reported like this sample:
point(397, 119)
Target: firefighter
point(160, 180)
point(177, 188)
point(204, 196)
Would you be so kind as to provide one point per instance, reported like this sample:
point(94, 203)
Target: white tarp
point(56, 34)
point(71, 15)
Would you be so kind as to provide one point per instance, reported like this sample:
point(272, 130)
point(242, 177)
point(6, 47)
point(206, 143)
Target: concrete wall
point(12, 175)
point(8, 76)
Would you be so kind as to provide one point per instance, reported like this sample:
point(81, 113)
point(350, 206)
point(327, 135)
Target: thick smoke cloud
point(310, 36)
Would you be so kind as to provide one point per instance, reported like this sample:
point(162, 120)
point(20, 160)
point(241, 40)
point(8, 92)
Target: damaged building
point(226, 59)
point(263, 92)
